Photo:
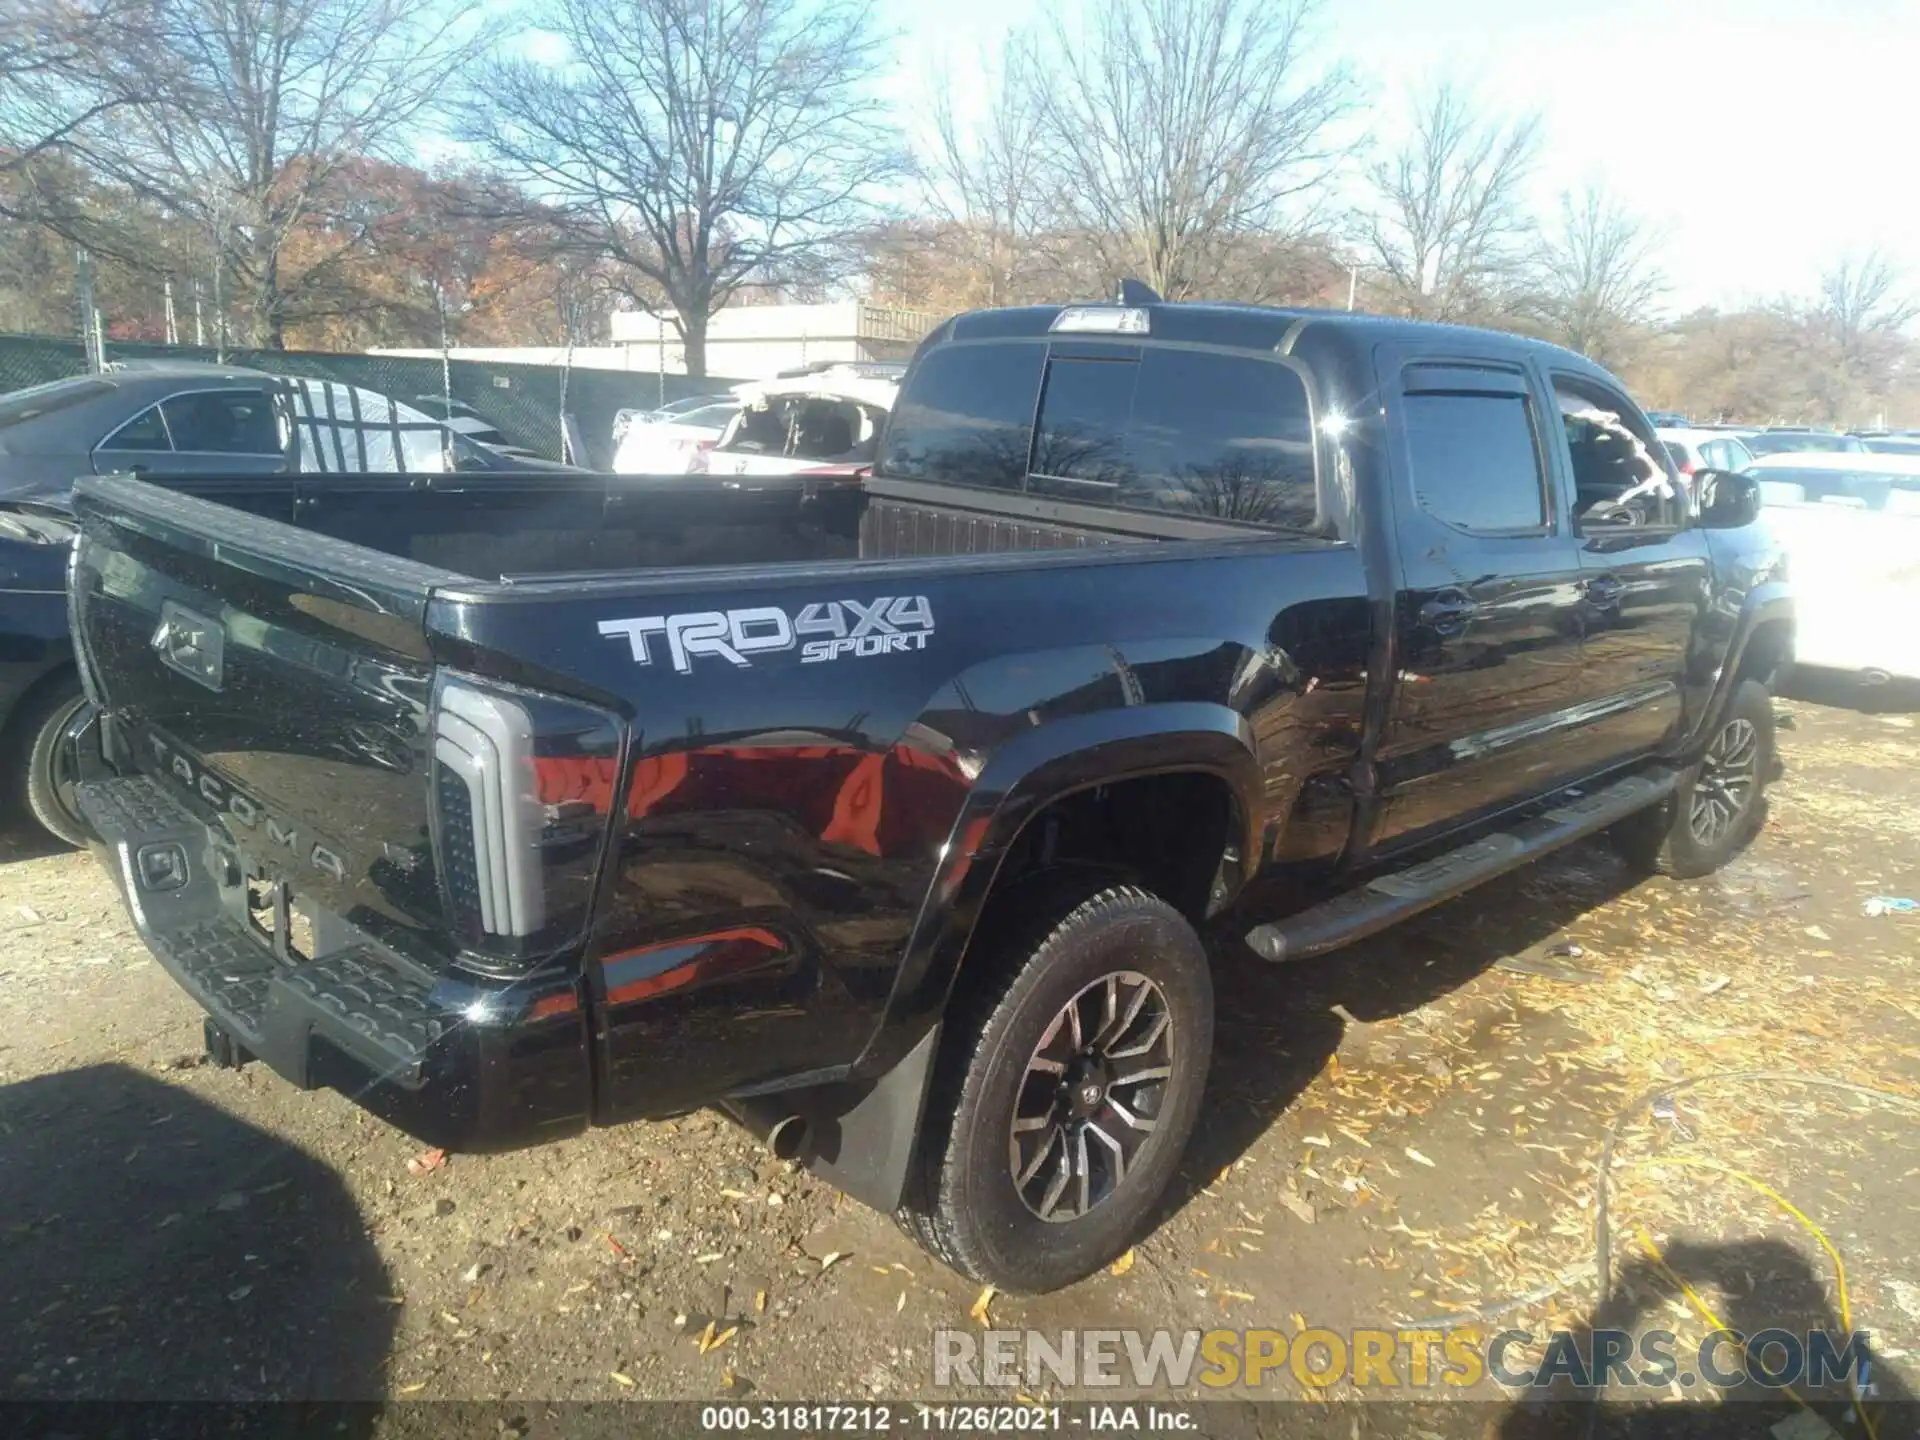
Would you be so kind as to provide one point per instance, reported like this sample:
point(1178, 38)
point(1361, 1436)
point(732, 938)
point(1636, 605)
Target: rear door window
point(1475, 459)
point(965, 417)
point(223, 422)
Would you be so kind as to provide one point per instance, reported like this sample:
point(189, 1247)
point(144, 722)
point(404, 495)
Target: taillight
point(523, 786)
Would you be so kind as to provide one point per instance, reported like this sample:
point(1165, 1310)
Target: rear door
point(1487, 614)
point(1643, 572)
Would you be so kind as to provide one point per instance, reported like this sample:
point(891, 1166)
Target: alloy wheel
point(1091, 1095)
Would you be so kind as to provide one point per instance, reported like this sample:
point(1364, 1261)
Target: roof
point(1694, 435)
point(178, 370)
point(1240, 326)
point(1850, 461)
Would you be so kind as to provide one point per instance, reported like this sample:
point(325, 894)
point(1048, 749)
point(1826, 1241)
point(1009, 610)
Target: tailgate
point(275, 681)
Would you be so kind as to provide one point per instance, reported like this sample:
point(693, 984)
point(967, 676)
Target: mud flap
point(859, 1134)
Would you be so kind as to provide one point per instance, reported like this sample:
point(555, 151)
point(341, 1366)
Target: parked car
point(1668, 419)
point(1696, 450)
point(826, 419)
point(463, 419)
point(623, 420)
point(204, 428)
point(1891, 444)
point(1851, 528)
point(1793, 440)
point(884, 811)
point(677, 445)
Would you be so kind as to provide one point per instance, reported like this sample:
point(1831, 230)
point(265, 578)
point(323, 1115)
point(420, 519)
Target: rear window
point(1223, 436)
point(966, 417)
point(1185, 431)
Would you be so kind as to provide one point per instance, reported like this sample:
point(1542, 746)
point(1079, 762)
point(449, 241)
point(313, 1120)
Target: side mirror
point(1727, 500)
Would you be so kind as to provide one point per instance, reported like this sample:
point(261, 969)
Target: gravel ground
point(1410, 1130)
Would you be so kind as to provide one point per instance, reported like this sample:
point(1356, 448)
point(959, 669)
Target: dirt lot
point(1410, 1131)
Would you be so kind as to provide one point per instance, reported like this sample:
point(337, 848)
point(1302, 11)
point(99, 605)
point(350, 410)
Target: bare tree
point(1597, 279)
point(1174, 127)
point(1447, 226)
point(253, 105)
point(1863, 303)
point(700, 144)
point(47, 49)
point(985, 183)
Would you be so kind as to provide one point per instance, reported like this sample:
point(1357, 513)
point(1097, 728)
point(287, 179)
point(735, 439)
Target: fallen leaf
point(1122, 1265)
point(1417, 1158)
point(706, 1338)
point(1321, 1140)
point(901, 1303)
point(1301, 1210)
point(1716, 985)
point(760, 1302)
point(828, 1260)
point(425, 1161)
point(614, 1245)
point(413, 1389)
point(720, 1339)
point(625, 1382)
point(733, 1194)
point(979, 1311)
point(710, 1258)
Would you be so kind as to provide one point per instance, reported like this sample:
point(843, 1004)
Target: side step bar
point(1391, 898)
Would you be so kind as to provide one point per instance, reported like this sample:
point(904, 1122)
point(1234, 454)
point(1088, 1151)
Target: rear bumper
point(457, 1062)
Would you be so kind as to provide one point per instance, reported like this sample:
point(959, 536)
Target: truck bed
point(515, 527)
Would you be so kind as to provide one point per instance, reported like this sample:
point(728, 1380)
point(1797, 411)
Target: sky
point(1770, 137)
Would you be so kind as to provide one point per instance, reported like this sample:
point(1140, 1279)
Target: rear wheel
point(1719, 802)
point(41, 769)
point(1066, 1091)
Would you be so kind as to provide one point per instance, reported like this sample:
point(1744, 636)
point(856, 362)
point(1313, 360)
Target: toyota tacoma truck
point(886, 811)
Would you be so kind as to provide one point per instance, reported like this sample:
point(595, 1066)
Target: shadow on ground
point(22, 839)
point(1764, 1292)
point(1276, 1025)
point(1843, 690)
point(153, 1247)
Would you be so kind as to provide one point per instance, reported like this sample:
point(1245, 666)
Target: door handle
point(1447, 616)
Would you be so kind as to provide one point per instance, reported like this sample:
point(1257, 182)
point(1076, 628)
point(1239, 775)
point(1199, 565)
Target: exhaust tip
point(788, 1138)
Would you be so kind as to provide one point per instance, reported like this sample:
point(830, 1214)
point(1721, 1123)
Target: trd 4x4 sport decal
point(847, 627)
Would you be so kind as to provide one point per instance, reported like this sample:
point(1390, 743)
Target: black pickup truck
point(885, 812)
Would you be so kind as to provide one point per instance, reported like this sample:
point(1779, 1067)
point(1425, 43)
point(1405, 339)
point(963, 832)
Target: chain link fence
point(523, 402)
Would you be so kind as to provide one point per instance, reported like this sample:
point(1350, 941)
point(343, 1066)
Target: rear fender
point(1022, 778)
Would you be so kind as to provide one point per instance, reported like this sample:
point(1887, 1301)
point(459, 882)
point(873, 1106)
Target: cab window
point(1621, 474)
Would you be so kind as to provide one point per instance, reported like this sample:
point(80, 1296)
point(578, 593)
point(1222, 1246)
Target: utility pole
point(446, 363)
point(89, 317)
point(199, 317)
point(1353, 285)
point(173, 328)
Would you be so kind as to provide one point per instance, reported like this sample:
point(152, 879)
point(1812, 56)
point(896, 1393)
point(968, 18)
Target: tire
point(1720, 801)
point(37, 766)
point(1122, 958)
